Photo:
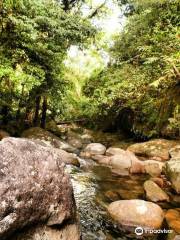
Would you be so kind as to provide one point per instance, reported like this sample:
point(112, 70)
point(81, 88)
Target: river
point(95, 186)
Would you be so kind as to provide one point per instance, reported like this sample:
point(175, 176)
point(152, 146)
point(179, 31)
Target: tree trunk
point(18, 113)
point(5, 112)
point(36, 116)
point(28, 119)
point(44, 110)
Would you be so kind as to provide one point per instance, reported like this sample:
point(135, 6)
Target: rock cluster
point(34, 188)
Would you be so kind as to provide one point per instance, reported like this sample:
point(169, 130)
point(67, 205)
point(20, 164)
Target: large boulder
point(157, 149)
point(154, 193)
point(47, 137)
point(172, 170)
point(33, 188)
point(130, 214)
point(95, 149)
point(67, 158)
point(3, 134)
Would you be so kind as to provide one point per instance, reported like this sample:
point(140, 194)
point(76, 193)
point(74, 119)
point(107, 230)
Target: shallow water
point(93, 189)
point(95, 186)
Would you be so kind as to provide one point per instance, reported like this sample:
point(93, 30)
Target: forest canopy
point(126, 76)
point(35, 36)
point(142, 79)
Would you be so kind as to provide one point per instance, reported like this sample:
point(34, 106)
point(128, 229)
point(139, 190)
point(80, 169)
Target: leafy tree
point(143, 75)
point(35, 36)
point(139, 87)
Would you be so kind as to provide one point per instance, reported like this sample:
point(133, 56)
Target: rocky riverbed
point(118, 185)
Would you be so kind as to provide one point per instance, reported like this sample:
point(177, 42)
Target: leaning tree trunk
point(44, 110)
point(36, 116)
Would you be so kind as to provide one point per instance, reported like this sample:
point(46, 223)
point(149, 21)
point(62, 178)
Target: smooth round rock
point(95, 149)
point(130, 214)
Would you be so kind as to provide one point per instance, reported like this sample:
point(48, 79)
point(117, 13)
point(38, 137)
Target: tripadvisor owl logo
point(139, 231)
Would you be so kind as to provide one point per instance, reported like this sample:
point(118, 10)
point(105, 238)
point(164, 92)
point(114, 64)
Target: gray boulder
point(33, 186)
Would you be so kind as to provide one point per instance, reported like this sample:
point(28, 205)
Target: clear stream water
point(94, 189)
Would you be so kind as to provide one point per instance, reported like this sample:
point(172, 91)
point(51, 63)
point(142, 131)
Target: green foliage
point(35, 37)
point(144, 68)
point(78, 68)
point(137, 69)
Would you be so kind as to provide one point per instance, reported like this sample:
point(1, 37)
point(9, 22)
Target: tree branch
point(96, 10)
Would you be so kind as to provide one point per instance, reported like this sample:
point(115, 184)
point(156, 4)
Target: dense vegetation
point(140, 89)
point(137, 89)
point(35, 36)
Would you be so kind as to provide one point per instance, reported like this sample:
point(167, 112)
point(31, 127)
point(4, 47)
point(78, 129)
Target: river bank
point(110, 173)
